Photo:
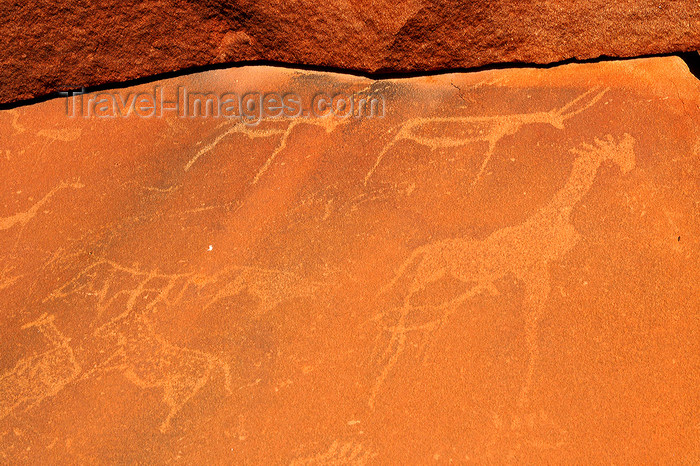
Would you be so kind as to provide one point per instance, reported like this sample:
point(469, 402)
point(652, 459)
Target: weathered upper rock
point(504, 267)
point(47, 46)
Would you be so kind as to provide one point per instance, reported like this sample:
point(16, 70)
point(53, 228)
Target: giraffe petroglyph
point(522, 251)
point(37, 377)
point(488, 129)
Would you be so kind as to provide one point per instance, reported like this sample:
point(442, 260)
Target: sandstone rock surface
point(504, 268)
point(48, 46)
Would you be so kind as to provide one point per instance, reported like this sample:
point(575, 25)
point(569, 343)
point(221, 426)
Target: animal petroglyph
point(282, 144)
point(243, 128)
point(130, 341)
point(488, 129)
point(339, 453)
point(236, 128)
point(37, 377)
point(269, 287)
point(105, 281)
point(22, 218)
point(149, 361)
point(523, 251)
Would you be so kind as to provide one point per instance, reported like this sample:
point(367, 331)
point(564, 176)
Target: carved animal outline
point(148, 360)
point(143, 356)
point(523, 251)
point(241, 127)
point(271, 287)
point(489, 129)
point(37, 377)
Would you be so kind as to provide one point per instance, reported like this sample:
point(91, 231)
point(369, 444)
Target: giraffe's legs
point(536, 293)
point(448, 308)
point(399, 332)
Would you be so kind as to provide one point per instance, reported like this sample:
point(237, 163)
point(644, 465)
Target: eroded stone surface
point(503, 268)
point(50, 46)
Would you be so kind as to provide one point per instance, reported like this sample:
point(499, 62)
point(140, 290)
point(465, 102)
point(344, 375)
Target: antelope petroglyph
point(130, 344)
point(37, 377)
point(488, 129)
point(148, 360)
point(329, 124)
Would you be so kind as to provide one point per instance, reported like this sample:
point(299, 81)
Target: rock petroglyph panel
point(503, 267)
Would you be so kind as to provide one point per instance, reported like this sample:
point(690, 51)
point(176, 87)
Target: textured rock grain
point(504, 268)
point(47, 46)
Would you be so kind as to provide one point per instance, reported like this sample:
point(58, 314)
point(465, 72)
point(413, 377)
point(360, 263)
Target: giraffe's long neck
point(579, 183)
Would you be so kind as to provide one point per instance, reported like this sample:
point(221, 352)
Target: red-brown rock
point(47, 46)
point(504, 268)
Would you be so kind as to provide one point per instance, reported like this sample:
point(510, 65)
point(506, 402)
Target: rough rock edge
point(48, 46)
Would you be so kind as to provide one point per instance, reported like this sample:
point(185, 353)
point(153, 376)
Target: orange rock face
point(502, 267)
point(48, 46)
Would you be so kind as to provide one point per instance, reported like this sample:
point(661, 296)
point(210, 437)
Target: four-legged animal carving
point(488, 129)
point(149, 361)
point(523, 252)
point(271, 287)
point(37, 377)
